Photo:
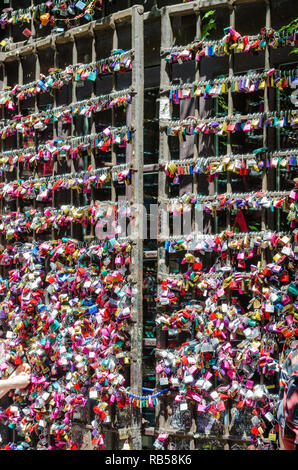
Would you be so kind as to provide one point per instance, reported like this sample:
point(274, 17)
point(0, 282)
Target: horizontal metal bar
point(20, 48)
point(193, 7)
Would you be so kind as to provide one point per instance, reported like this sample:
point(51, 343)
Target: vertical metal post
point(36, 101)
point(195, 224)
point(197, 113)
point(229, 190)
point(230, 111)
point(216, 145)
point(265, 138)
point(93, 126)
point(54, 133)
point(2, 149)
point(164, 154)
point(73, 130)
point(10, 27)
point(33, 26)
point(278, 211)
point(266, 99)
point(54, 45)
point(36, 110)
point(138, 198)
point(19, 137)
point(114, 77)
point(265, 130)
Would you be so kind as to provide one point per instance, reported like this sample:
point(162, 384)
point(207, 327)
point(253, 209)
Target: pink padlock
point(249, 384)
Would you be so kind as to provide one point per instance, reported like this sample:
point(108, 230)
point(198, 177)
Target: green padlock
point(293, 289)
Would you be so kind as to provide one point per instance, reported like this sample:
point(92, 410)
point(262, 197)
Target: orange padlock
point(44, 19)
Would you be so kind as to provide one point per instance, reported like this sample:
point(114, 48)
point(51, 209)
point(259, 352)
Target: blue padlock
point(80, 5)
